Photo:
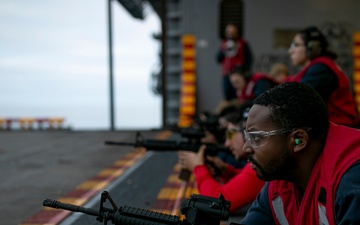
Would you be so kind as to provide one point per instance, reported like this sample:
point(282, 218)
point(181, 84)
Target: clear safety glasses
point(258, 139)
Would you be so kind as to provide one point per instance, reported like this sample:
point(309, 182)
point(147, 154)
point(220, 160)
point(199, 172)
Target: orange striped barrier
point(188, 82)
point(356, 73)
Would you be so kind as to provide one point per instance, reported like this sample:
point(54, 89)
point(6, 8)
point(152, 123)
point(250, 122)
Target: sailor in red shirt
point(239, 186)
point(234, 50)
point(312, 165)
point(310, 50)
point(247, 85)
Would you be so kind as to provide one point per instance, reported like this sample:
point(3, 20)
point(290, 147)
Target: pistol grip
point(185, 174)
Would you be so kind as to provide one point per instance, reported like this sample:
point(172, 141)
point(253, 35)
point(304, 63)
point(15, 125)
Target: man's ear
point(299, 140)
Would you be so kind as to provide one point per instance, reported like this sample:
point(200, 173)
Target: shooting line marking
point(171, 195)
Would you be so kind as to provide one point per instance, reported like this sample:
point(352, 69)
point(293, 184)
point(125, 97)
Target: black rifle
point(172, 145)
point(193, 134)
point(197, 130)
point(198, 210)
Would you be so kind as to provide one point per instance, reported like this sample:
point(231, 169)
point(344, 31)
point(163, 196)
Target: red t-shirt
point(241, 186)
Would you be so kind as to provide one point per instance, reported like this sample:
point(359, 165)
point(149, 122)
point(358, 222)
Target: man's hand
point(189, 160)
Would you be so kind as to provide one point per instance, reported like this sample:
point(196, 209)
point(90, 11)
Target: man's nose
point(247, 149)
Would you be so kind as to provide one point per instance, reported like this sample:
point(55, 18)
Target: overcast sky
point(54, 62)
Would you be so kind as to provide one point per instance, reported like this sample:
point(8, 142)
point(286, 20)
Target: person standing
point(234, 50)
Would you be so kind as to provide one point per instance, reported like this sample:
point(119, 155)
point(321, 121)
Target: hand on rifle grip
point(185, 174)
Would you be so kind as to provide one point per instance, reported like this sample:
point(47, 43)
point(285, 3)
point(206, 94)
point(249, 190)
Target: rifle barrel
point(74, 208)
point(120, 143)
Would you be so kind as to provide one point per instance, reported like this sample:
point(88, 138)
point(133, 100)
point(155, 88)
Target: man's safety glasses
point(258, 139)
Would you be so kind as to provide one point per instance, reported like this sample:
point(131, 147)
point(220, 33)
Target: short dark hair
point(239, 116)
point(297, 105)
point(228, 110)
point(241, 70)
point(234, 118)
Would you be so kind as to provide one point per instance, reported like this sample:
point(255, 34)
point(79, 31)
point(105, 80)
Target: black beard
point(283, 170)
